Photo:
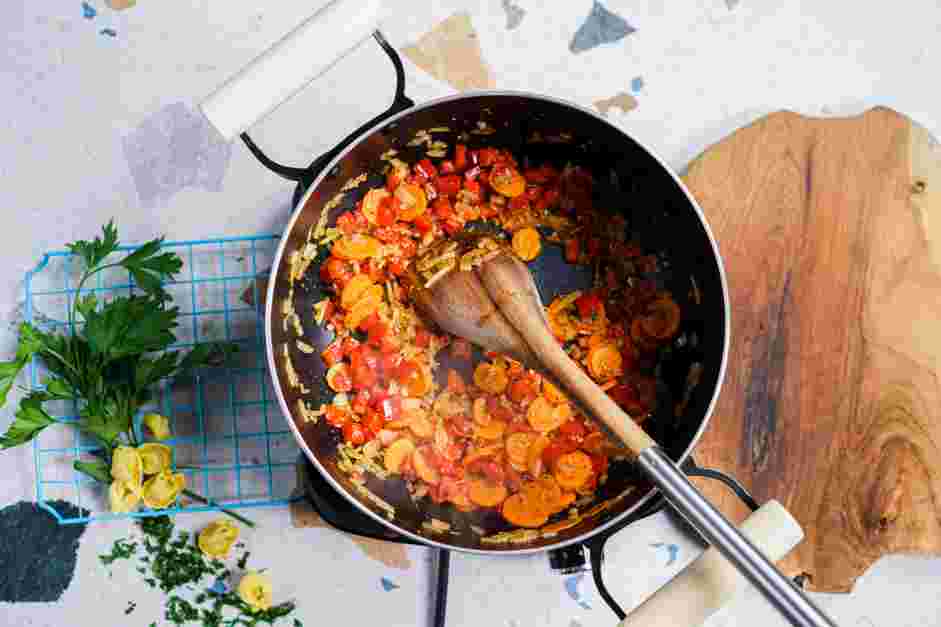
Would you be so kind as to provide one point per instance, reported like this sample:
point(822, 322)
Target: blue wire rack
point(229, 436)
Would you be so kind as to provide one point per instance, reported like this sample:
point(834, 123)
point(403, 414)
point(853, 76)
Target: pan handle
point(289, 65)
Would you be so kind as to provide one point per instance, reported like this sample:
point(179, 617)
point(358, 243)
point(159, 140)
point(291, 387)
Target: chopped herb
point(121, 550)
point(180, 611)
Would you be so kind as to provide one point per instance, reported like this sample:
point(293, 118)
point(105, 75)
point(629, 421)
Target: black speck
point(131, 606)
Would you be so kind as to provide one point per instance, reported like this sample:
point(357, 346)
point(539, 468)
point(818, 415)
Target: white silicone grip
point(711, 581)
point(290, 64)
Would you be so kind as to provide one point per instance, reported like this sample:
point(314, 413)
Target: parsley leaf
point(130, 325)
point(97, 469)
point(86, 304)
point(207, 354)
point(149, 267)
point(30, 420)
point(31, 341)
point(148, 371)
point(95, 251)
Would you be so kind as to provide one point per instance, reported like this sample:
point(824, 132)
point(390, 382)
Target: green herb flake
point(121, 550)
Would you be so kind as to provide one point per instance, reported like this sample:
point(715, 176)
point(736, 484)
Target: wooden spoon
point(515, 319)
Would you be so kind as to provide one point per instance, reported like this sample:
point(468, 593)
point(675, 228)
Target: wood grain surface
point(830, 231)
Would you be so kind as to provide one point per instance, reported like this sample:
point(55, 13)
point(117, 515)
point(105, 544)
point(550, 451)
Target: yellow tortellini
point(127, 467)
point(162, 489)
point(255, 589)
point(159, 426)
point(155, 457)
point(124, 498)
point(217, 538)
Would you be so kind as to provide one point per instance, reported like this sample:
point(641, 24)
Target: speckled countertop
point(100, 121)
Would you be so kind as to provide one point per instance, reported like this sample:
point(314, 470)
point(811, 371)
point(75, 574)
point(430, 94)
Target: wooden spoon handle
point(511, 289)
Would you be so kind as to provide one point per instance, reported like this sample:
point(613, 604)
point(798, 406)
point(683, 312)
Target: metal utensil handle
point(786, 597)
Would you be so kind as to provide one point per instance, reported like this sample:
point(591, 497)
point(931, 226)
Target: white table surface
point(71, 94)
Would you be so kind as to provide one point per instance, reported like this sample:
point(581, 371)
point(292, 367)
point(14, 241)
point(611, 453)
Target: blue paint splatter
point(218, 587)
point(388, 585)
point(88, 11)
point(110, 32)
point(601, 27)
point(571, 587)
point(637, 83)
point(673, 551)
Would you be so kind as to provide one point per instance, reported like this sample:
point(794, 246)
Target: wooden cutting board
point(830, 231)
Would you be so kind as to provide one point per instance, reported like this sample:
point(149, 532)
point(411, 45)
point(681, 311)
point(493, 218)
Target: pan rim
point(277, 263)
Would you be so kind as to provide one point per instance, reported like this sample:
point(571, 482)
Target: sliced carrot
point(534, 455)
point(423, 468)
point(397, 453)
point(517, 448)
point(355, 247)
point(553, 394)
point(565, 500)
point(508, 182)
point(371, 202)
point(543, 417)
point(420, 384)
point(412, 201)
point(520, 511)
point(356, 289)
point(605, 361)
point(339, 378)
point(486, 493)
point(663, 318)
point(573, 470)
point(421, 426)
point(544, 493)
point(490, 378)
point(527, 244)
point(491, 431)
point(479, 411)
point(491, 450)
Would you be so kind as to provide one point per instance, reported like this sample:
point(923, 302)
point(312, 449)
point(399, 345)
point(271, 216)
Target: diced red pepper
point(453, 226)
point(460, 156)
point(422, 338)
point(350, 346)
point(519, 202)
point(405, 370)
point(360, 402)
point(426, 169)
point(368, 322)
point(550, 196)
point(599, 464)
point(442, 208)
point(588, 305)
point(338, 270)
point(375, 421)
point(333, 353)
point(392, 181)
point(364, 377)
point(487, 156)
point(354, 433)
point(448, 185)
point(336, 416)
point(397, 267)
point(423, 223)
point(473, 187)
point(522, 390)
point(573, 429)
point(387, 213)
point(390, 362)
point(345, 223)
point(377, 332)
point(447, 167)
point(533, 193)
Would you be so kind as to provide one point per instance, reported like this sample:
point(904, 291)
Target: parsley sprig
point(111, 353)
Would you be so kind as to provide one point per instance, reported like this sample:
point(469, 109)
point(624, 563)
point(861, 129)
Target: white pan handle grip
point(290, 64)
point(711, 581)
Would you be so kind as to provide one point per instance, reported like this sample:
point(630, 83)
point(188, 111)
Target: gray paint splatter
point(514, 14)
point(38, 566)
point(731, 4)
point(601, 27)
point(172, 149)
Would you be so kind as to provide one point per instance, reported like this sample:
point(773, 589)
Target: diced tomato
point(392, 181)
point(522, 390)
point(422, 338)
point(448, 185)
point(550, 196)
point(447, 167)
point(363, 377)
point(392, 407)
point(405, 370)
point(588, 305)
point(350, 346)
point(557, 448)
point(519, 202)
point(460, 156)
point(453, 226)
point(471, 175)
point(336, 416)
point(390, 362)
point(573, 429)
point(377, 331)
point(425, 169)
point(533, 193)
point(360, 402)
point(472, 187)
point(488, 211)
point(456, 383)
point(377, 396)
point(338, 270)
point(442, 207)
point(387, 213)
point(397, 267)
point(461, 349)
point(374, 421)
point(369, 322)
point(354, 433)
point(333, 353)
point(423, 223)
